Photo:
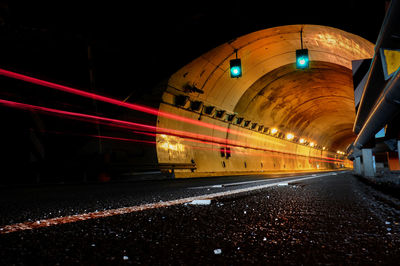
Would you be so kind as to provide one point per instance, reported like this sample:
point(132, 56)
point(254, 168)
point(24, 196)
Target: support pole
point(368, 162)
point(357, 166)
point(398, 149)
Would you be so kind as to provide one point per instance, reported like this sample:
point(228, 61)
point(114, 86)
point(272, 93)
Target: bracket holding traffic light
point(302, 59)
point(236, 67)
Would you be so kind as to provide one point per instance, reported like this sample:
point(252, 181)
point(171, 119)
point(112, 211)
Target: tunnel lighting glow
point(302, 141)
point(274, 130)
point(290, 136)
point(323, 148)
point(312, 144)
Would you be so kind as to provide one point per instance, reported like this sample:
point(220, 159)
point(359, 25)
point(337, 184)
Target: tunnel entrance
point(275, 118)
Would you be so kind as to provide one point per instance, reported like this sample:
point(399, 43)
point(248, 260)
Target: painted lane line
point(125, 210)
point(256, 181)
point(233, 184)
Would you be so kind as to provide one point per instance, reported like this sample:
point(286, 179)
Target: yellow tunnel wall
point(252, 152)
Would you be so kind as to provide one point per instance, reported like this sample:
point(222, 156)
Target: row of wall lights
point(290, 136)
point(198, 106)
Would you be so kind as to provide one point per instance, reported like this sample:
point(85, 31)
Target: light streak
point(136, 107)
point(131, 125)
point(120, 123)
point(105, 99)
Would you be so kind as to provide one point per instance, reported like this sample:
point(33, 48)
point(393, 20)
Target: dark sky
point(139, 44)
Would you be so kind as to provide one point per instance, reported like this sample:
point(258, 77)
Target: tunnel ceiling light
point(236, 67)
point(302, 141)
point(290, 136)
point(323, 148)
point(312, 144)
point(274, 130)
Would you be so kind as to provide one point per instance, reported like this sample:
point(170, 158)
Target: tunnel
point(275, 118)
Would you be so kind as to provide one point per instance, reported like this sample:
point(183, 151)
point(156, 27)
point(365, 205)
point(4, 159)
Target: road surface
point(323, 218)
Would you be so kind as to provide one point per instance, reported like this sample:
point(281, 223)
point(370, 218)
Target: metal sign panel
point(390, 61)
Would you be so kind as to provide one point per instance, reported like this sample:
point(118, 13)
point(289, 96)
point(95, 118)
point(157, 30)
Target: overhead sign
point(390, 61)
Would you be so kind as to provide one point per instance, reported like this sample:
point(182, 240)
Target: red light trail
point(105, 99)
point(136, 107)
point(116, 122)
point(136, 126)
point(284, 155)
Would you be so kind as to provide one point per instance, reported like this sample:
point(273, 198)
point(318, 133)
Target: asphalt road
point(330, 218)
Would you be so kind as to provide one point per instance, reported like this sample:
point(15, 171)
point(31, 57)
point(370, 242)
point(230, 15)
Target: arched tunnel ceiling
point(317, 103)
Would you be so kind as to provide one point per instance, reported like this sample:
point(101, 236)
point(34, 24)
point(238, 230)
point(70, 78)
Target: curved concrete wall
point(265, 54)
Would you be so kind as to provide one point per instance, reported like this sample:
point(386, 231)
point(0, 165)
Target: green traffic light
point(235, 72)
point(236, 68)
point(302, 60)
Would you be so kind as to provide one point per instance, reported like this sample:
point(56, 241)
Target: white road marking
point(200, 202)
point(124, 210)
point(256, 181)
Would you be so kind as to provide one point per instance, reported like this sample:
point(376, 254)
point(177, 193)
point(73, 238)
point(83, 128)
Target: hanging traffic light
point(302, 60)
point(236, 68)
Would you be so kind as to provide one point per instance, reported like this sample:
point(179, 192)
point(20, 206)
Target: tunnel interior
point(315, 106)
point(316, 103)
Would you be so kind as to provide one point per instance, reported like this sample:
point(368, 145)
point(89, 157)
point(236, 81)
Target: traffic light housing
point(302, 60)
point(236, 68)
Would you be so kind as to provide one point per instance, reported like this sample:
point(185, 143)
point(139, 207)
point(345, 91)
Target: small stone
point(217, 251)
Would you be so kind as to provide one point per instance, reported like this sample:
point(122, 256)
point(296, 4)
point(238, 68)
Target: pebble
point(217, 251)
